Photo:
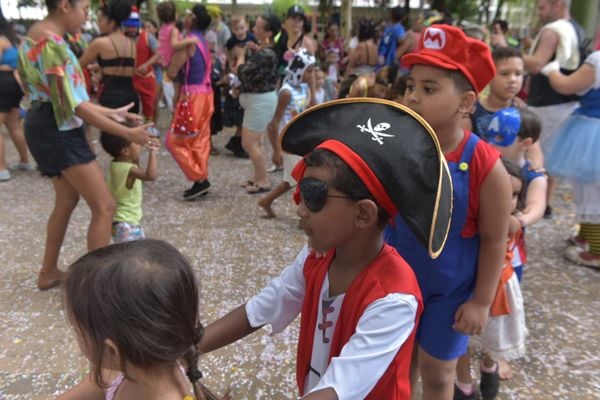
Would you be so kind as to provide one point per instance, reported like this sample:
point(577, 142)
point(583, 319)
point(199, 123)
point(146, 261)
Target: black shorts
point(54, 150)
point(118, 91)
point(10, 91)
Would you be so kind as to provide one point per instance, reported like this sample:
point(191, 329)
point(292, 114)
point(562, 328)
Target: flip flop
point(246, 184)
point(254, 189)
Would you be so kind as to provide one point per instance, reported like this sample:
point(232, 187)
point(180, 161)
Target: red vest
point(142, 54)
point(142, 49)
point(388, 273)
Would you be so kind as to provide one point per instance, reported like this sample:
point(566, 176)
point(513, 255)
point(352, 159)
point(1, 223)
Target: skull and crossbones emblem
point(377, 131)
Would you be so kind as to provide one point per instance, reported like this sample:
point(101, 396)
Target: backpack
point(584, 42)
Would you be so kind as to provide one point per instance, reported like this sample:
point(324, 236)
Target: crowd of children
point(415, 250)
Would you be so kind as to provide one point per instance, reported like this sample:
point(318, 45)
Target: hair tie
point(194, 374)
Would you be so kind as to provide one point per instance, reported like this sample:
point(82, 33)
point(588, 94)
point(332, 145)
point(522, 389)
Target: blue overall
point(448, 281)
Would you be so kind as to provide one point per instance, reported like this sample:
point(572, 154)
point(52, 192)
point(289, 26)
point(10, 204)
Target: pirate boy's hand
point(471, 317)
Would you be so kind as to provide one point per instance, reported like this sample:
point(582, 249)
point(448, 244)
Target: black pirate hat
point(392, 150)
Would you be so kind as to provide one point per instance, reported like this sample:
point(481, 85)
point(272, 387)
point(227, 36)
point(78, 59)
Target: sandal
point(489, 384)
point(246, 184)
point(582, 257)
point(255, 189)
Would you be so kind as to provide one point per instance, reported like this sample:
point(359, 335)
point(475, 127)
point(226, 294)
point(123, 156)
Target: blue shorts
point(436, 335)
point(446, 283)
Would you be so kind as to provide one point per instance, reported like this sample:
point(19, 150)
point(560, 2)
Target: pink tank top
point(164, 40)
point(114, 385)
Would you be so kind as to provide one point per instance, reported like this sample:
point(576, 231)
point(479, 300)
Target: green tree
point(458, 9)
point(587, 13)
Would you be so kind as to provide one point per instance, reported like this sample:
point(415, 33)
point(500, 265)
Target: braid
point(193, 373)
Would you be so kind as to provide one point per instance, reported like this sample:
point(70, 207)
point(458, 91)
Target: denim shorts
point(258, 110)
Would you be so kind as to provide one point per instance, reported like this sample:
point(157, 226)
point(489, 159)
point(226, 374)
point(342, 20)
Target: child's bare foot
point(48, 280)
point(504, 370)
point(266, 205)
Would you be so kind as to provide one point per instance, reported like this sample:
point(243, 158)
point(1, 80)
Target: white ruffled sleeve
point(280, 302)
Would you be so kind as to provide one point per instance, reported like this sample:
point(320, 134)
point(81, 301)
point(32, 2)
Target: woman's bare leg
point(2, 146)
point(65, 201)
point(88, 181)
point(15, 129)
point(251, 142)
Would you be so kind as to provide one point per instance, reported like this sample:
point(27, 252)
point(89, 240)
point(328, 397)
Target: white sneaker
point(4, 175)
point(23, 167)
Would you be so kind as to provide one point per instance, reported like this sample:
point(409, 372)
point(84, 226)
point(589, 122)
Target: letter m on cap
point(434, 38)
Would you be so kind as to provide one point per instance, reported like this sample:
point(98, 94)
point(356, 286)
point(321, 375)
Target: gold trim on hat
point(443, 164)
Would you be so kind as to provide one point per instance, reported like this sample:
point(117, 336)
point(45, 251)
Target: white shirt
point(567, 50)
point(381, 331)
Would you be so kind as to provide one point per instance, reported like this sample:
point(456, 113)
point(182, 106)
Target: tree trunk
point(586, 12)
point(152, 10)
point(498, 12)
point(346, 18)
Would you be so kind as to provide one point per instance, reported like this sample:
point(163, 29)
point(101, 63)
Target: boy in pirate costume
point(365, 161)
point(458, 287)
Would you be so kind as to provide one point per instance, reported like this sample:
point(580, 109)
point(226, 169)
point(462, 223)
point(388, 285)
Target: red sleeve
point(484, 159)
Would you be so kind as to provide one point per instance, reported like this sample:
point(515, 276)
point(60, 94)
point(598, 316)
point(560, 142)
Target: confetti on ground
point(235, 253)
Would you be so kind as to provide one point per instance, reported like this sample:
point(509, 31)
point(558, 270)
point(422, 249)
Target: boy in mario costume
point(458, 287)
point(360, 302)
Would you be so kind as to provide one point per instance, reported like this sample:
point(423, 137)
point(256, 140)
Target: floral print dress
point(50, 72)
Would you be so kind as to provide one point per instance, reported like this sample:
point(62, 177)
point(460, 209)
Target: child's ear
point(527, 142)
point(112, 351)
point(467, 102)
point(367, 213)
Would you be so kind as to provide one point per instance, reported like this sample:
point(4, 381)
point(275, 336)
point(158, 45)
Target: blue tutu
point(573, 153)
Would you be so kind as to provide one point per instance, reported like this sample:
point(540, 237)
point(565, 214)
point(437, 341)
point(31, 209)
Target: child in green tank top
point(125, 178)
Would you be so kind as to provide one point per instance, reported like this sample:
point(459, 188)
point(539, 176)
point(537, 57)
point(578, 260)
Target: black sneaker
point(490, 384)
point(548, 213)
point(234, 144)
point(460, 395)
point(198, 189)
point(241, 154)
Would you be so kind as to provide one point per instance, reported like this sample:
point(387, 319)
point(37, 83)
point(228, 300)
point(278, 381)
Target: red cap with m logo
point(447, 47)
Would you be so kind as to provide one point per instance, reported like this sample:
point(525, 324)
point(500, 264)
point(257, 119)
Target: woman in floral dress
point(54, 129)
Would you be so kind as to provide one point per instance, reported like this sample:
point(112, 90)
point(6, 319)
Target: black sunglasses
point(314, 194)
